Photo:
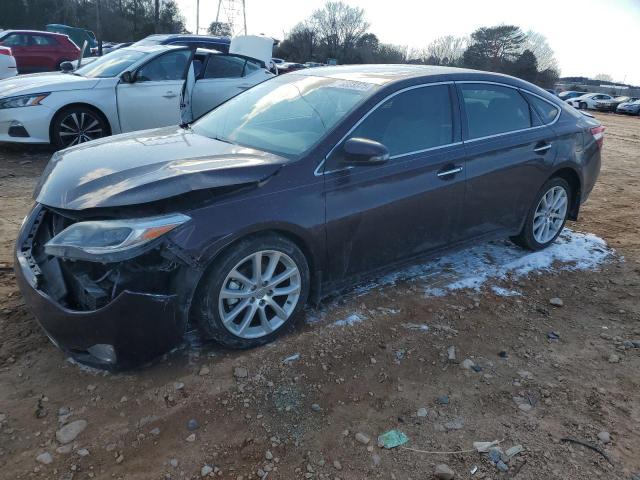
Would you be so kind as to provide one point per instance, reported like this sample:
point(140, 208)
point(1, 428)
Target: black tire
point(525, 238)
point(582, 106)
point(61, 136)
point(206, 306)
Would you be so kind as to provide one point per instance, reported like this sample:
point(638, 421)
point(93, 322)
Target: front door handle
point(542, 148)
point(170, 94)
point(449, 171)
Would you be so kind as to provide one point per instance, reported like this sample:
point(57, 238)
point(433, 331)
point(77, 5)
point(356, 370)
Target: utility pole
point(244, 15)
point(231, 15)
point(197, 17)
point(156, 19)
point(98, 27)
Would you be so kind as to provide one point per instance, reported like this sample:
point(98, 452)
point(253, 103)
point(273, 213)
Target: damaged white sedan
point(134, 88)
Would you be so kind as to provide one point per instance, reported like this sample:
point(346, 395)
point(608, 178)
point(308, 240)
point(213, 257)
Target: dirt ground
point(258, 415)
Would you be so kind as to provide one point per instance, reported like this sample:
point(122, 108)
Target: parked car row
point(602, 102)
point(133, 88)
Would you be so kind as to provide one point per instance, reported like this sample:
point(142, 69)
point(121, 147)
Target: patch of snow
point(87, 368)
point(292, 358)
point(350, 321)
point(423, 327)
point(473, 267)
point(505, 292)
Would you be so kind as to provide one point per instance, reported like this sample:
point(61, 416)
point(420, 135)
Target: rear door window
point(494, 109)
point(224, 66)
point(42, 41)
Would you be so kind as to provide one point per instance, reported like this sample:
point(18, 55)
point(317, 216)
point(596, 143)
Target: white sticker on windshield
point(354, 85)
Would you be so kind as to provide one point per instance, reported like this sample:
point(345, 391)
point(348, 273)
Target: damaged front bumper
point(113, 316)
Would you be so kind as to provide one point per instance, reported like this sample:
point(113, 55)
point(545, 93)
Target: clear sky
point(588, 36)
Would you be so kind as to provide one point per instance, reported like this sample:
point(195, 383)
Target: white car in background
point(588, 100)
point(133, 88)
point(7, 63)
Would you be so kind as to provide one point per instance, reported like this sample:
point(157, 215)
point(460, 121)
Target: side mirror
point(66, 67)
point(127, 77)
point(362, 151)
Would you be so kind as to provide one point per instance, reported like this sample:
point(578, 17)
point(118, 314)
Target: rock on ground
point(44, 458)
point(443, 472)
point(70, 431)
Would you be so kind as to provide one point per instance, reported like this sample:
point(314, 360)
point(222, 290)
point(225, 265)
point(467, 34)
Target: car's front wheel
point(547, 216)
point(74, 125)
point(253, 292)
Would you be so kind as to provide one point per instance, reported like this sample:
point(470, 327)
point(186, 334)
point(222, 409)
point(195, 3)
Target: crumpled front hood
point(146, 166)
point(43, 82)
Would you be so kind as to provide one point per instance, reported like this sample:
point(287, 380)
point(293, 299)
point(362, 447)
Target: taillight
point(598, 135)
point(6, 51)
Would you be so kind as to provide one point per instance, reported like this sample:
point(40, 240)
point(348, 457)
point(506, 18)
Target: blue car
point(220, 44)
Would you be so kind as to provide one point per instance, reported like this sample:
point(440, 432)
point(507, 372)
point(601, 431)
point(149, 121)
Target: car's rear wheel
point(75, 125)
point(547, 216)
point(253, 292)
point(582, 106)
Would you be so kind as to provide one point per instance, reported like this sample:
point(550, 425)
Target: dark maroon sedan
point(296, 188)
point(37, 51)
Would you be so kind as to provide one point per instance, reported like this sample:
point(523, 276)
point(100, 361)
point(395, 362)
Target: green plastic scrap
point(392, 439)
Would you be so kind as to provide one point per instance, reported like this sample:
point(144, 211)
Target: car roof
point(384, 74)
point(38, 32)
point(170, 36)
point(152, 48)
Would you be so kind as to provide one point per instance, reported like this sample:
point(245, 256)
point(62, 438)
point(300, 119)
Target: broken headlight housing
point(111, 240)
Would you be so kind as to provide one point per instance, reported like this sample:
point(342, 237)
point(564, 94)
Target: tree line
point(120, 20)
point(341, 32)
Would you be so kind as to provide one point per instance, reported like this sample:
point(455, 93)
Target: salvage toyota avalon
point(293, 189)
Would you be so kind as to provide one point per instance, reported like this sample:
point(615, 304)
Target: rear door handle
point(449, 171)
point(542, 148)
point(170, 95)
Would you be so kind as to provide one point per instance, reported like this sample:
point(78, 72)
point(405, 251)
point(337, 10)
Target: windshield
point(112, 64)
point(286, 115)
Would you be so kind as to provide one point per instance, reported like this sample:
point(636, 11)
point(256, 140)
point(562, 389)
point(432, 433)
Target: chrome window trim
point(317, 171)
point(471, 140)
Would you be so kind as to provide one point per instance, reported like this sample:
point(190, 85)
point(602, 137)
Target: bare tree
point(537, 43)
point(446, 50)
point(339, 26)
point(604, 77)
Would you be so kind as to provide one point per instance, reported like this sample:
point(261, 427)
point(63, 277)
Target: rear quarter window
point(545, 110)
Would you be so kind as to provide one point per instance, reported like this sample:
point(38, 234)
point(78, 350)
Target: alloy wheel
point(259, 294)
point(550, 214)
point(80, 127)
